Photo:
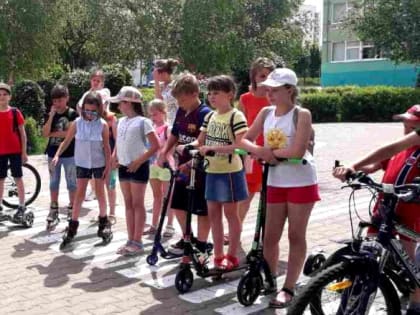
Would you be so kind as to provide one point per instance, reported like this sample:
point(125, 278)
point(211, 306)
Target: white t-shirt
point(171, 104)
point(130, 140)
point(102, 92)
point(287, 174)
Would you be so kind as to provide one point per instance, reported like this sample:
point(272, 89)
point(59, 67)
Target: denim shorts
point(139, 176)
point(82, 172)
point(15, 165)
point(226, 187)
point(69, 171)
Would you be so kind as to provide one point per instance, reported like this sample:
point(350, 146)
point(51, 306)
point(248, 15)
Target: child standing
point(186, 129)
point(250, 104)
point(133, 156)
point(92, 157)
point(97, 81)
point(12, 147)
point(163, 69)
point(292, 189)
point(221, 132)
point(160, 176)
point(55, 129)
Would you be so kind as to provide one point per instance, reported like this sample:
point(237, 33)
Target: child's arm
point(381, 154)
point(158, 92)
point(247, 141)
point(23, 140)
point(71, 132)
point(114, 160)
point(107, 150)
point(46, 129)
point(169, 145)
point(153, 148)
point(299, 146)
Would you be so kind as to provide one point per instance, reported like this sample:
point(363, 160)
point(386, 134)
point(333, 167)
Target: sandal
point(150, 231)
point(169, 231)
point(135, 248)
point(218, 262)
point(123, 249)
point(275, 303)
point(229, 263)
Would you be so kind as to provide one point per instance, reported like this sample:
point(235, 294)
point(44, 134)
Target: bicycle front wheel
point(31, 182)
point(323, 294)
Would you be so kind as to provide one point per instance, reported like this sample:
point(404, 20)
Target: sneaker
point(18, 216)
point(52, 215)
point(169, 231)
point(177, 248)
point(134, 249)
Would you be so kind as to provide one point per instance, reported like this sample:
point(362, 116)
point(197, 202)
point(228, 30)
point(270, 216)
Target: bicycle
point(32, 182)
point(347, 283)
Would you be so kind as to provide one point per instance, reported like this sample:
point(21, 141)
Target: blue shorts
point(15, 165)
point(140, 176)
point(69, 171)
point(226, 187)
point(88, 173)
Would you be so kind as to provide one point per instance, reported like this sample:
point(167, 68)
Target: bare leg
point(235, 227)
point(129, 211)
point(21, 190)
point(80, 196)
point(100, 195)
point(137, 194)
point(215, 217)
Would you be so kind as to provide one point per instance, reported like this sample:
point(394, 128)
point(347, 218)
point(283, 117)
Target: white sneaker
point(90, 196)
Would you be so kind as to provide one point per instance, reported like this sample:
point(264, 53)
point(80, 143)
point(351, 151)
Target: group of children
point(91, 144)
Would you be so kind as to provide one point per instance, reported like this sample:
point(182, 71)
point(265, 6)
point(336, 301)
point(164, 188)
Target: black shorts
point(15, 165)
point(139, 176)
point(82, 172)
point(180, 198)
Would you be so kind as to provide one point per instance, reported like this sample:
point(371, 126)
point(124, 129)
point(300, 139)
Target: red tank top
point(252, 106)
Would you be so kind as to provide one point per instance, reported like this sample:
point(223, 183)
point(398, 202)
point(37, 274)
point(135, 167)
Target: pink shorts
point(305, 194)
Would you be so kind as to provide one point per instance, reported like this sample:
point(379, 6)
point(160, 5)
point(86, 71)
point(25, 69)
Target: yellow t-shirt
point(218, 131)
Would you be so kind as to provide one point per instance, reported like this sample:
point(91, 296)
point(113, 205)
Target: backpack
point(15, 122)
point(311, 143)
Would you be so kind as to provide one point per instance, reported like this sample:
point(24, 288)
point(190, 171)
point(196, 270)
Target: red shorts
point(305, 194)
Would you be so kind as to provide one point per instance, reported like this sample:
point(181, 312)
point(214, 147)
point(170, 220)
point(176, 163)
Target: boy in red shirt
point(400, 169)
point(12, 148)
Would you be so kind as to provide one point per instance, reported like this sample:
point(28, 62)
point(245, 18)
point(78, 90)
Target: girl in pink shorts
point(292, 188)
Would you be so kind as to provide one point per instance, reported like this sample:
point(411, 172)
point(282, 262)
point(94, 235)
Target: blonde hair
point(295, 92)
point(186, 83)
point(259, 64)
point(158, 105)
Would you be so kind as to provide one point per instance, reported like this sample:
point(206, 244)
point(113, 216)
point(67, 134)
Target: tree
point(27, 36)
point(392, 25)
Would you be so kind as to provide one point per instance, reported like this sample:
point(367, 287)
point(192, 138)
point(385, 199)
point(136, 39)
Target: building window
point(339, 11)
point(338, 51)
point(353, 50)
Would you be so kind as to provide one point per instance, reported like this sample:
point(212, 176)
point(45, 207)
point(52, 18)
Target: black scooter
point(184, 278)
point(158, 248)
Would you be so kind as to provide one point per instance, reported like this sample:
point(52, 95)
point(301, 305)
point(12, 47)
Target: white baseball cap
point(280, 77)
point(127, 94)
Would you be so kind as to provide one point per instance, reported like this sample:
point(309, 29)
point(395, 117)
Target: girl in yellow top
point(225, 185)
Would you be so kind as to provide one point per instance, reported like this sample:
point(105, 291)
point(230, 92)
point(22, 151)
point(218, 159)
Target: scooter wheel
point(313, 263)
point(152, 259)
point(184, 280)
point(28, 219)
point(249, 288)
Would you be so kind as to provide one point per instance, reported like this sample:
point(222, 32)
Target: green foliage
point(323, 106)
point(78, 83)
point(46, 86)
point(29, 98)
point(148, 94)
point(33, 134)
point(393, 26)
point(27, 35)
point(116, 76)
point(350, 103)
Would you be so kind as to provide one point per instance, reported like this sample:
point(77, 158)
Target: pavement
point(37, 278)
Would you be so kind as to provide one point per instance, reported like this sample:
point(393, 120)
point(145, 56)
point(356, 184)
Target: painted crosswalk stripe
point(210, 293)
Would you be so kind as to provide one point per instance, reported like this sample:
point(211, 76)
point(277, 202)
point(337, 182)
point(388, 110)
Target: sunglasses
point(90, 112)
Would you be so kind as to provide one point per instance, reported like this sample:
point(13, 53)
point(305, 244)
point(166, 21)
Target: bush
point(29, 98)
point(309, 81)
point(116, 76)
point(35, 142)
point(323, 106)
point(148, 94)
point(377, 104)
point(78, 83)
point(47, 85)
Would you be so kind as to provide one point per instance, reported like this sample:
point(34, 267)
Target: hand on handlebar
point(343, 172)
